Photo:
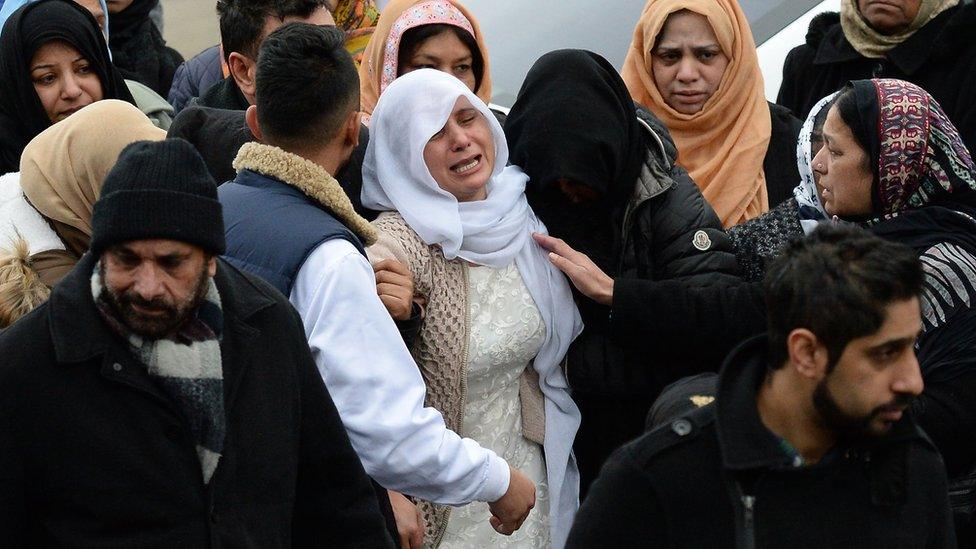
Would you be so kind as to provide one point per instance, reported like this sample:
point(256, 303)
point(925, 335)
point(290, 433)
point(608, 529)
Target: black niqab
point(22, 116)
point(574, 120)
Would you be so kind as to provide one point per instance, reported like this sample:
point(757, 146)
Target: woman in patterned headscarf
point(416, 34)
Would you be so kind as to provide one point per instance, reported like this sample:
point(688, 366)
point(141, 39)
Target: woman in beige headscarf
point(693, 63)
point(412, 34)
point(45, 230)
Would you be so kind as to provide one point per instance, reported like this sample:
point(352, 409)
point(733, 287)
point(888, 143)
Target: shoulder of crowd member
point(685, 235)
point(658, 127)
point(663, 446)
point(958, 30)
point(248, 286)
point(820, 26)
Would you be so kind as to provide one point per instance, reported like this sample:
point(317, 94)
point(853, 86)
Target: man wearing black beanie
point(163, 398)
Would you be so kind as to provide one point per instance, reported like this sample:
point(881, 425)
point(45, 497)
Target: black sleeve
point(335, 503)
point(13, 500)
point(706, 323)
point(620, 510)
point(411, 327)
point(945, 411)
point(682, 237)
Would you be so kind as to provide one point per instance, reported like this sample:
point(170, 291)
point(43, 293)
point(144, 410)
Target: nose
point(909, 380)
point(687, 69)
point(148, 282)
point(458, 138)
point(819, 162)
point(70, 89)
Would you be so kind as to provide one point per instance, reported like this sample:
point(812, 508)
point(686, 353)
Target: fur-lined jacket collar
point(310, 178)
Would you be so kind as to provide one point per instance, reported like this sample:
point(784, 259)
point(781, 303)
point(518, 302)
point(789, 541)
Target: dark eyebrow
point(50, 65)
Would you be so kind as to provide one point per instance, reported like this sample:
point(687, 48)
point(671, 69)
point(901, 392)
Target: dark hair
point(836, 283)
point(306, 83)
point(816, 135)
point(242, 21)
point(413, 38)
point(847, 107)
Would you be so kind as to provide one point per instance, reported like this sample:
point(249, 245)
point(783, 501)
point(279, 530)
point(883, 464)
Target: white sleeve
point(378, 389)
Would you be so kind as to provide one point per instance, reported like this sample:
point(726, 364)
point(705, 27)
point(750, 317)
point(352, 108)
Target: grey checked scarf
point(187, 365)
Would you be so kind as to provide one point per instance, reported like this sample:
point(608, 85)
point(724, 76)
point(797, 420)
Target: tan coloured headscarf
point(378, 56)
point(62, 169)
point(871, 43)
point(723, 145)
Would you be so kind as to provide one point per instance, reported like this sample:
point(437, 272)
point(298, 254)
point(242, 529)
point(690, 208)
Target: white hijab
point(811, 209)
point(491, 232)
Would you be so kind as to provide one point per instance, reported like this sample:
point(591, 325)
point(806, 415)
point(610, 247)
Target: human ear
point(212, 266)
point(352, 128)
point(242, 69)
point(808, 356)
point(251, 118)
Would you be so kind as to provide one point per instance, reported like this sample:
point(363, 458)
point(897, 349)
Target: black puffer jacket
point(670, 233)
point(603, 178)
point(940, 57)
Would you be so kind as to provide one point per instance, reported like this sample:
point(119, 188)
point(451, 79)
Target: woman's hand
point(394, 284)
point(585, 275)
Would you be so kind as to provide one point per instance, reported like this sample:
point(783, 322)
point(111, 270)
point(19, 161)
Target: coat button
point(117, 367)
point(681, 427)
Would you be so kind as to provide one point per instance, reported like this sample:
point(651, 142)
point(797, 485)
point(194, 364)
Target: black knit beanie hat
point(158, 189)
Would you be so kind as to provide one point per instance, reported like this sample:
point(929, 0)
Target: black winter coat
point(668, 232)
point(94, 454)
point(779, 165)
point(719, 478)
point(195, 76)
point(940, 57)
point(140, 52)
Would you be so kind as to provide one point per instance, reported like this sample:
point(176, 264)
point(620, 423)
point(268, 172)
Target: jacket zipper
point(748, 530)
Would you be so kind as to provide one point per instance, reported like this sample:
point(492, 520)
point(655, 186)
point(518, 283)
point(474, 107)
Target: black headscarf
point(574, 120)
point(129, 19)
point(22, 116)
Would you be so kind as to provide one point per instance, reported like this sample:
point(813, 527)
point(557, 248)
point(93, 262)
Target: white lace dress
point(505, 334)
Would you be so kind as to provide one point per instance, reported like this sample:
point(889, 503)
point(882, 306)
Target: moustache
point(155, 304)
point(900, 402)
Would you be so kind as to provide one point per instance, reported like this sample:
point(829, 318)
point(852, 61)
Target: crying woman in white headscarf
point(498, 317)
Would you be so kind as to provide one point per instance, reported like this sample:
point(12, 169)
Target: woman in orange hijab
point(693, 63)
point(417, 34)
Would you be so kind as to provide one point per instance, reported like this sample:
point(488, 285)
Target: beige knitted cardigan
point(441, 347)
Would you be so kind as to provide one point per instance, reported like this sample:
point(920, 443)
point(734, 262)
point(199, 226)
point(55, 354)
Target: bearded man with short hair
point(163, 398)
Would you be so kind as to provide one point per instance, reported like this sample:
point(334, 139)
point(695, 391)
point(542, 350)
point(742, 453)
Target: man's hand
point(394, 284)
point(409, 521)
point(585, 275)
point(509, 512)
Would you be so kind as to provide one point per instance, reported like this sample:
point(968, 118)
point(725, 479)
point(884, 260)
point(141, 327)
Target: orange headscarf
point(375, 58)
point(723, 145)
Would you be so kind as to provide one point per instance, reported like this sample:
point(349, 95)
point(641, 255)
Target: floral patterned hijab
point(919, 158)
point(380, 60)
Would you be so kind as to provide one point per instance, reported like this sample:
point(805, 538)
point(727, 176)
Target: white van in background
point(520, 31)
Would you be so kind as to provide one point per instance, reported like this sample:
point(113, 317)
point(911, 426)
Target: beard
point(169, 317)
point(849, 427)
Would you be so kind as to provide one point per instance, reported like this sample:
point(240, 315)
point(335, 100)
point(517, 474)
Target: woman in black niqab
point(574, 123)
point(22, 116)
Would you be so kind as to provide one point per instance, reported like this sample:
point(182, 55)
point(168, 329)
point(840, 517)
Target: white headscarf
point(811, 210)
point(494, 232)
